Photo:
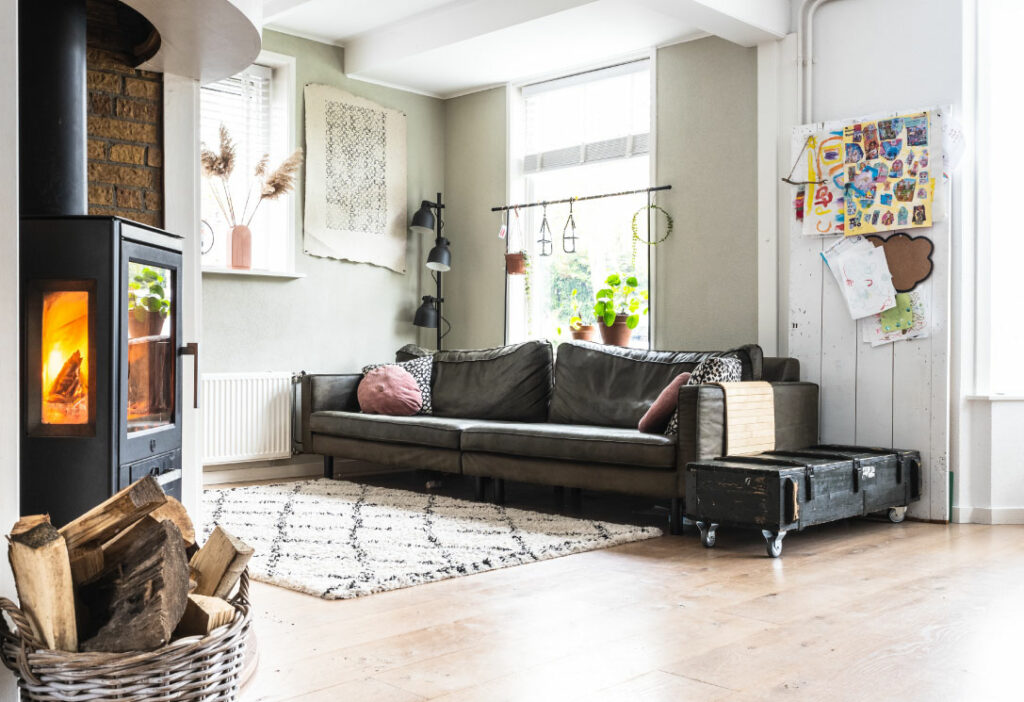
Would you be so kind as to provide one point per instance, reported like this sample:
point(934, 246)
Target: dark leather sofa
point(518, 413)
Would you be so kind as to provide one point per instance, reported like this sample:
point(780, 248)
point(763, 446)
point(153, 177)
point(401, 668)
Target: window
point(256, 107)
point(582, 135)
point(1000, 102)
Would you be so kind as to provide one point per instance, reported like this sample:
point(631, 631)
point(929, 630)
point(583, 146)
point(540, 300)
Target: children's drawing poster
point(824, 213)
point(889, 181)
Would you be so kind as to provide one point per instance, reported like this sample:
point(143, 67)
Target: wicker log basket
point(189, 669)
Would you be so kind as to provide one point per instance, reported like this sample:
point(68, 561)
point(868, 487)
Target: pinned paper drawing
point(823, 206)
point(863, 276)
point(886, 177)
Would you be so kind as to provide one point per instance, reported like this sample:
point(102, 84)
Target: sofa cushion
point(421, 430)
point(572, 442)
point(390, 390)
point(613, 386)
point(506, 383)
point(421, 369)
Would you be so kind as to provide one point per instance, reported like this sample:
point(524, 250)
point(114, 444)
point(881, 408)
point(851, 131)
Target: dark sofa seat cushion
point(568, 442)
point(613, 386)
point(511, 383)
point(421, 430)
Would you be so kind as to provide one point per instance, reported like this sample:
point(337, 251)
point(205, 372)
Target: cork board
point(909, 258)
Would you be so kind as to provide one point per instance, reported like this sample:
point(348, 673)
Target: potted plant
point(148, 304)
point(515, 263)
point(579, 330)
point(619, 306)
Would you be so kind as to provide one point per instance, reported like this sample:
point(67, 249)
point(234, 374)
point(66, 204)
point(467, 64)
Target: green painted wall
point(340, 316)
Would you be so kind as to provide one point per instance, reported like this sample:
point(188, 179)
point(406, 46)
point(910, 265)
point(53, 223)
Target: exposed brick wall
point(125, 139)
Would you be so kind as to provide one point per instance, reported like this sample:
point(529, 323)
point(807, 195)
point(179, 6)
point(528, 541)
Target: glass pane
point(150, 346)
point(65, 357)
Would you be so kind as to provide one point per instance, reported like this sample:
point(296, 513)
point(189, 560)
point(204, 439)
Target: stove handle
point(192, 349)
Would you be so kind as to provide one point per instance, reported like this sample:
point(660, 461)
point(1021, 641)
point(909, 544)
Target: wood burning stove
point(101, 384)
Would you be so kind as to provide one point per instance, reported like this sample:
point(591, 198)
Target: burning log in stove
point(67, 387)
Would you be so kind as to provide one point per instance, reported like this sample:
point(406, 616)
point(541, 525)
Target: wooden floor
point(859, 610)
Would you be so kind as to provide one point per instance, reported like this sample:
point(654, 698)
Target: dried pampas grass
point(219, 165)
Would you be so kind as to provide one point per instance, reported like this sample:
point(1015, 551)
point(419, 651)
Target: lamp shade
point(440, 257)
point(426, 315)
point(423, 220)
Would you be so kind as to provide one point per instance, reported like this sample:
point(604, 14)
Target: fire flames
point(65, 357)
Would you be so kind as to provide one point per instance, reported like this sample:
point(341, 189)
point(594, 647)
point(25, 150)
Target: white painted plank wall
point(892, 395)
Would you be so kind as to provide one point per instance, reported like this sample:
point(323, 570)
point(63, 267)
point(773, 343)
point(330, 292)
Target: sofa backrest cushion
point(614, 386)
point(510, 383)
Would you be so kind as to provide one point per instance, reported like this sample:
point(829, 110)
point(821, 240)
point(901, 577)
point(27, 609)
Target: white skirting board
point(246, 417)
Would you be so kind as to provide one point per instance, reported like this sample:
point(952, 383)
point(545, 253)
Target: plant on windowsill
point(148, 304)
point(218, 167)
point(579, 330)
point(619, 306)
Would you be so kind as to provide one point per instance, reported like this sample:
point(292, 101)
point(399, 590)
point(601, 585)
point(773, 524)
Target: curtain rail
point(656, 188)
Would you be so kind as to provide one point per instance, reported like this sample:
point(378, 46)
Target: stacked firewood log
point(125, 576)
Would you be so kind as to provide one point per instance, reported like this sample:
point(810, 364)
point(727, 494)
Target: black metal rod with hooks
point(656, 188)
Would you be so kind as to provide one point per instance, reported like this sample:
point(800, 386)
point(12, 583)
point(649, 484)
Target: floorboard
point(861, 609)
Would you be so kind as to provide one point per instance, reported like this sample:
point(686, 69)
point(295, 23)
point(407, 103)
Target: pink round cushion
point(656, 418)
point(389, 390)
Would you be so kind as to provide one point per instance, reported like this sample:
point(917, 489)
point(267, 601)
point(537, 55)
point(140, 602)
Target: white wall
point(9, 393)
point(896, 395)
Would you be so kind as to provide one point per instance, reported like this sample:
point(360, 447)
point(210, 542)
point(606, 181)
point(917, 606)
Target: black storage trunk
point(781, 491)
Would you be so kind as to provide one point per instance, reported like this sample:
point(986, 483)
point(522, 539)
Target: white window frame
point(283, 141)
point(515, 152)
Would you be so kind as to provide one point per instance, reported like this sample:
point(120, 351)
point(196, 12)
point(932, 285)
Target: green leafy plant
point(576, 321)
point(620, 296)
point(147, 293)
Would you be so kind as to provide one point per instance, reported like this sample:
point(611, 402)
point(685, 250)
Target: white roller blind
point(242, 104)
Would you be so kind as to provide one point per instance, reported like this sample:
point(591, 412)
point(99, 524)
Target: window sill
point(250, 273)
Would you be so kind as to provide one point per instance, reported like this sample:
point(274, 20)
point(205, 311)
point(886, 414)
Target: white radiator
point(246, 416)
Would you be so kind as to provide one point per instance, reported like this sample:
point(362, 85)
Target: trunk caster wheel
point(707, 533)
point(773, 539)
point(897, 514)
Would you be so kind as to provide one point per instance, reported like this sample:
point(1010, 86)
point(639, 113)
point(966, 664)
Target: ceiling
point(450, 47)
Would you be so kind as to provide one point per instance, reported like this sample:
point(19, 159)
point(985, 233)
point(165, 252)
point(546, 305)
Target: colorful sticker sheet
point(888, 174)
point(875, 328)
point(862, 272)
point(824, 213)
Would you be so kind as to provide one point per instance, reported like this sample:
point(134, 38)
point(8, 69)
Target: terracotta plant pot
point(618, 334)
point(586, 332)
point(515, 263)
point(144, 323)
point(241, 247)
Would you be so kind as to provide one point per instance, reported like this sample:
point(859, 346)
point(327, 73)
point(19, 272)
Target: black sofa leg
point(329, 467)
point(499, 491)
point(481, 489)
point(675, 518)
point(559, 497)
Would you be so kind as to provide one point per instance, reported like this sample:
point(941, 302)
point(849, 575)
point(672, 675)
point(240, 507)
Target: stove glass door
point(151, 346)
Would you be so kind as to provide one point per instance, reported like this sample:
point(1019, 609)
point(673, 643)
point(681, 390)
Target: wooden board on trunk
point(42, 576)
point(749, 418)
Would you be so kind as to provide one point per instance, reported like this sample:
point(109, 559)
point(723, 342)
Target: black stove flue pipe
point(52, 107)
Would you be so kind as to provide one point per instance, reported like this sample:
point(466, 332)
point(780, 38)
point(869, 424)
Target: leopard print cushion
point(711, 370)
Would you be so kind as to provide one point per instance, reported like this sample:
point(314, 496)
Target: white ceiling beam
point(443, 26)
point(743, 22)
point(273, 9)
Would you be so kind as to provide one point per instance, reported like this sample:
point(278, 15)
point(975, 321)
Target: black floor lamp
point(439, 261)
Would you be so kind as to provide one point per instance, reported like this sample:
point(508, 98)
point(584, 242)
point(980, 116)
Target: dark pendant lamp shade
point(423, 220)
point(426, 314)
point(440, 257)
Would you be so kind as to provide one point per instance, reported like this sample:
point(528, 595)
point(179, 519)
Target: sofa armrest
point(780, 369)
point(796, 415)
point(326, 392)
point(701, 416)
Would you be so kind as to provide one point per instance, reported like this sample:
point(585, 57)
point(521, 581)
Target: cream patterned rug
point(337, 539)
